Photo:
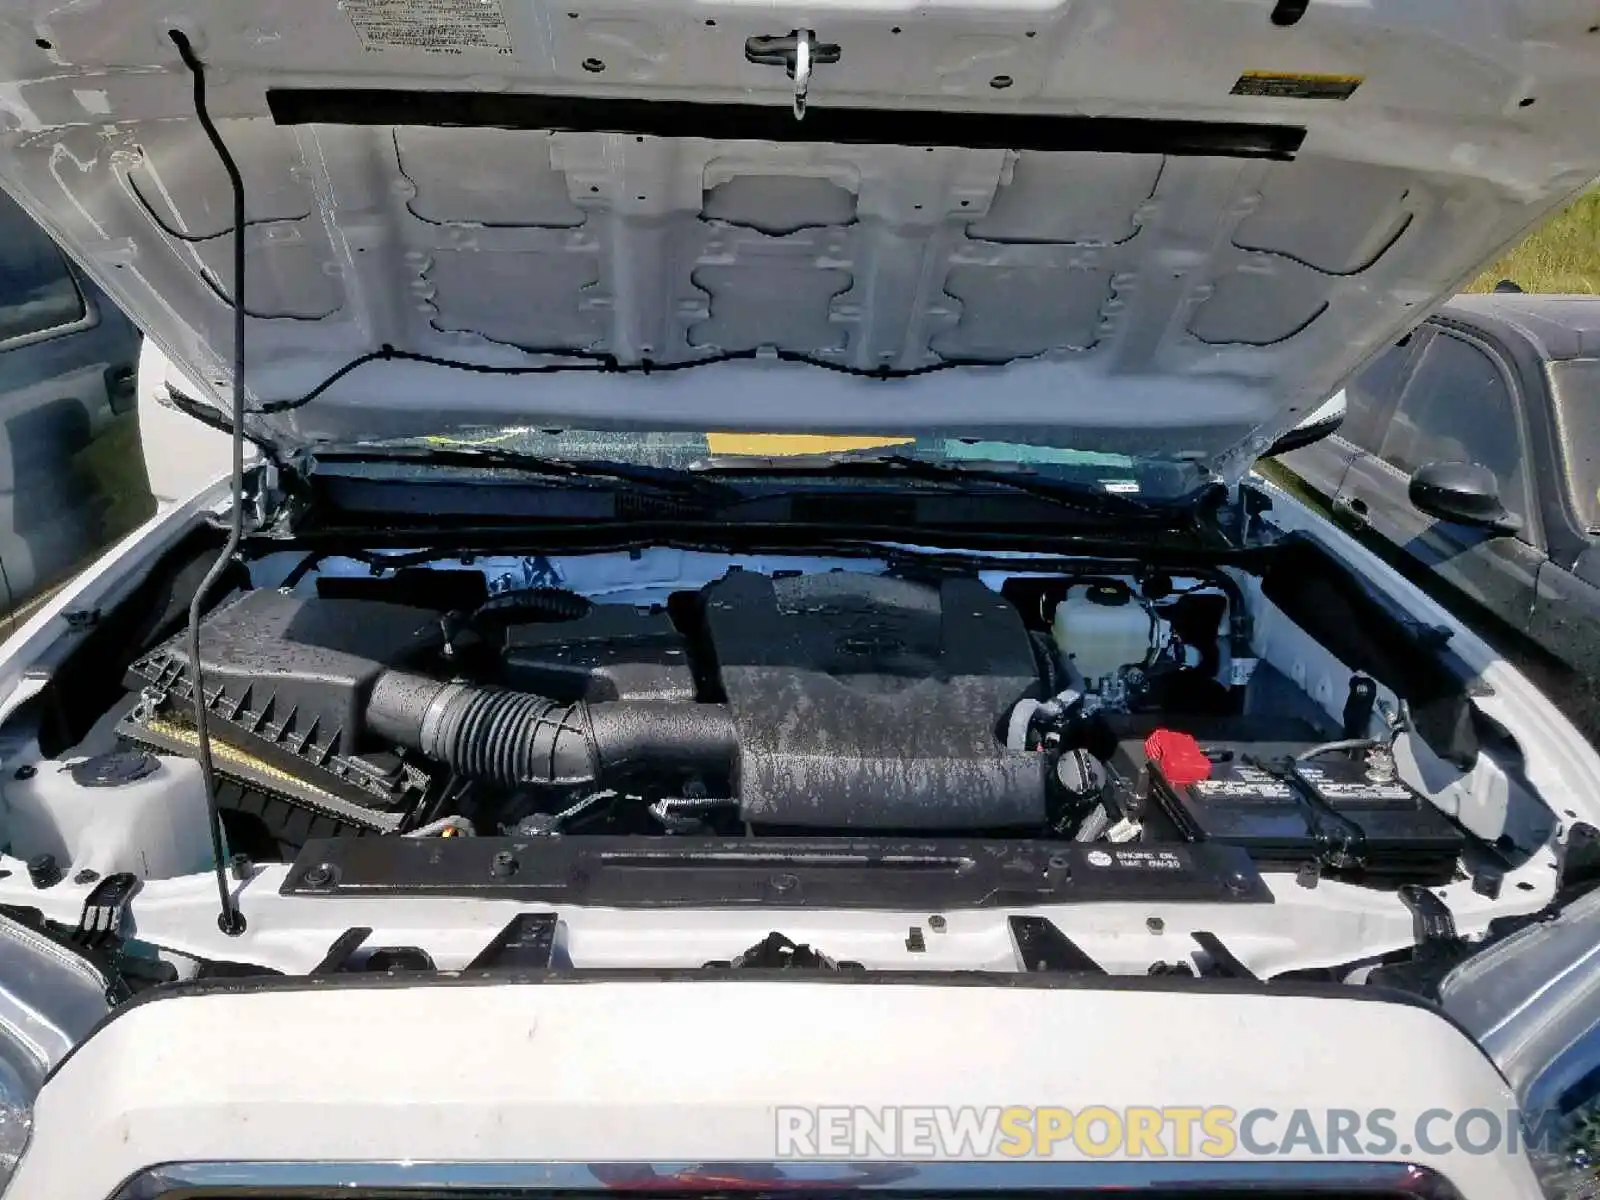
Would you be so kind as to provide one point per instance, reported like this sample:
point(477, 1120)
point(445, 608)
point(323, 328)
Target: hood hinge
point(266, 496)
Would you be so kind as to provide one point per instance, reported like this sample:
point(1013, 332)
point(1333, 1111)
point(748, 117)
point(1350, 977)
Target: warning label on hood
point(1296, 85)
point(432, 26)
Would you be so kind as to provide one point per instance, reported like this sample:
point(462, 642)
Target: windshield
point(1145, 478)
point(1575, 384)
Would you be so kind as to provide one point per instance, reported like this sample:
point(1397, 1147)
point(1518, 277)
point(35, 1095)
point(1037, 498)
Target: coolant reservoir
point(121, 811)
point(1101, 627)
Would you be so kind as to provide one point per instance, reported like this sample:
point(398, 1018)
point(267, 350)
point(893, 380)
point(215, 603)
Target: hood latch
point(797, 53)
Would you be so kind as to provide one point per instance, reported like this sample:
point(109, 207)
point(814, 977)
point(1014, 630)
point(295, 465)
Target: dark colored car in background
point(1471, 450)
point(72, 478)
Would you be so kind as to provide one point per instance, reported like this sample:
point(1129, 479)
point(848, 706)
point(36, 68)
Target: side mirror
point(1463, 493)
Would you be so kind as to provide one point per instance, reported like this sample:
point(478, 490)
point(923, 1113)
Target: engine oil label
point(431, 26)
point(1137, 860)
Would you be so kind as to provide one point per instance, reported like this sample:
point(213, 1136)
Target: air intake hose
point(515, 738)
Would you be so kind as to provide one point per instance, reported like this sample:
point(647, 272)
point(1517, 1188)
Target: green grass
point(1562, 256)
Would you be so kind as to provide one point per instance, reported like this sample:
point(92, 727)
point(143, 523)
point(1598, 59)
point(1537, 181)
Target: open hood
point(1167, 227)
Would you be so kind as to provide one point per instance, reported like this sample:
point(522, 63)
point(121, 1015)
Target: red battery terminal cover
point(1179, 756)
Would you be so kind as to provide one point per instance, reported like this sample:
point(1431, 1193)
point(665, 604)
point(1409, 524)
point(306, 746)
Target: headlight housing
point(50, 998)
point(1533, 1003)
point(17, 1090)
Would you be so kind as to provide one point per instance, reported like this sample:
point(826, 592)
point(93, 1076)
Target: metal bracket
point(1043, 947)
point(1224, 965)
point(383, 959)
point(526, 943)
point(266, 502)
point(340, 950)
point(1432, 923)
point(1439, 948)
point(105, 908)
point(1359, 706)
point(391, 959)
point(777, 952)
point(797, 53)
point(685, 814)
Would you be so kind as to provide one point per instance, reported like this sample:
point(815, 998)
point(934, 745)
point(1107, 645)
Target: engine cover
point(873, 703)
point(612, 652)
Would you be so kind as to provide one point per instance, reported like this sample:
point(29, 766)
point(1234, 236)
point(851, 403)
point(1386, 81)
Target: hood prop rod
point(230, 920)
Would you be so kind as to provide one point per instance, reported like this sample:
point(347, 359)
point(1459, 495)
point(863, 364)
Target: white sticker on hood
point(434, 26)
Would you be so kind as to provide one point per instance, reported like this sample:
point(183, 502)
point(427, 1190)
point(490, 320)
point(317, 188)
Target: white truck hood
point(580, 1075)
point(1167, 227)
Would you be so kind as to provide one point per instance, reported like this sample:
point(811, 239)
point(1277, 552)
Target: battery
point(1333, 810)
point(1398, 825)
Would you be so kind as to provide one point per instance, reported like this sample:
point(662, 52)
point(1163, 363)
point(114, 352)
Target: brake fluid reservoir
point(1101, 627)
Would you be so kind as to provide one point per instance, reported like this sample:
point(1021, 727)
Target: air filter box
point(286, 679)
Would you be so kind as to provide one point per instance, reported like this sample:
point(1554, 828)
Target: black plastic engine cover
point(874, 703)
point(612, 652)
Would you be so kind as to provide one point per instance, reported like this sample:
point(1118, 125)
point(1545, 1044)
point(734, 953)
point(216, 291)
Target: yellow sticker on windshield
point(775, 445)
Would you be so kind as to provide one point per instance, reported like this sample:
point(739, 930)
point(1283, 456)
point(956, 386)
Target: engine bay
point(1262, 759)
point(791, 703)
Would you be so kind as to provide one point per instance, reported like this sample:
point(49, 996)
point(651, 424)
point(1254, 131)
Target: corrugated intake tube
point(515, 738)
point(530, 604)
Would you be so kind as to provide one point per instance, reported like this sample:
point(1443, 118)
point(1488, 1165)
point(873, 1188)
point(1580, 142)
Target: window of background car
point(1370, 396)
point(1458, 407)
point(37, 291)
point(1576, 387)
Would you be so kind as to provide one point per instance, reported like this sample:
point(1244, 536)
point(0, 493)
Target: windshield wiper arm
point(1015, 477)
point(664, 480)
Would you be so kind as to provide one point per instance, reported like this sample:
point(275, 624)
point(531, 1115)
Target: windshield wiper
point(669, 481)
point(712, 488)
point(1011, 476)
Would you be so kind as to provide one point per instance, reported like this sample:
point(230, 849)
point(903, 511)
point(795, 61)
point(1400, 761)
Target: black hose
point(530, 604)
point(664, 733)
point(517, 738)
point(1045, 656)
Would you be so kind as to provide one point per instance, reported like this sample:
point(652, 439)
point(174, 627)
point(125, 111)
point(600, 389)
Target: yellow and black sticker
point(1296, 85)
